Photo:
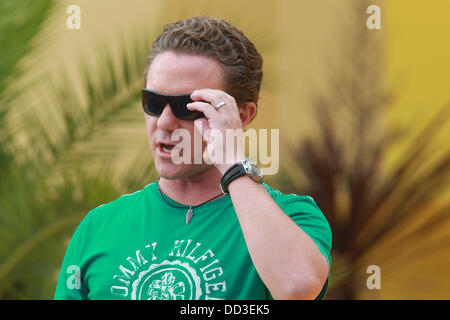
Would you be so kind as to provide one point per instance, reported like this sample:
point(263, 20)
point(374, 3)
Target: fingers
point(209, 95)
point(214, 97)
point(208, 110)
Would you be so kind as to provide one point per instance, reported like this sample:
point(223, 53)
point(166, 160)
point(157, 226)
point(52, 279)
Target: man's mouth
point(166, 147)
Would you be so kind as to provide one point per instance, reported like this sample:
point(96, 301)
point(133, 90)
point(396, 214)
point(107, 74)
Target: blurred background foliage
point(72, 135)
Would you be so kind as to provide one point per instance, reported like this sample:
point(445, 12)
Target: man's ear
point(247, 113)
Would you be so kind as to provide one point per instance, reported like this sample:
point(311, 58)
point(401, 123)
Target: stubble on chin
point(170, 171)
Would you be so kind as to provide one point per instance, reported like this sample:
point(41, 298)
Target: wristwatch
point(246, 167)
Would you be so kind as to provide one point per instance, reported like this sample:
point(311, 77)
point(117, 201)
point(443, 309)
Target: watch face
point(256, 170)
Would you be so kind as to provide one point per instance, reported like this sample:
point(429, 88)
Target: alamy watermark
point(374, 280)
point(223, 149)
point(73, 22)
point(73, 281)
point(374, 20)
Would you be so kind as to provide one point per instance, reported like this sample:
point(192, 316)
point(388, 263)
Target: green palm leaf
point(50, 176)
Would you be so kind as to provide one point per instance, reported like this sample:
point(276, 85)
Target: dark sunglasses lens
point(179, 109)
point(152, 103)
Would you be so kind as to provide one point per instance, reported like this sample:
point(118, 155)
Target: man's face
point(172, 73)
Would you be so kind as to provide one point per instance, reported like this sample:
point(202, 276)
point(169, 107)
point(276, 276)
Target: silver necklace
point(190, 212)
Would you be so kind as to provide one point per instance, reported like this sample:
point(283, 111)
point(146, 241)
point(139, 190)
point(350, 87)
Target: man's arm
point(286, 258)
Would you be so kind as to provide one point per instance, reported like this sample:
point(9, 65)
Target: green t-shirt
point(138, 247)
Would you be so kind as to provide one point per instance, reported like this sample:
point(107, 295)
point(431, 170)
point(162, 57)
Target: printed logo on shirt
point(188, 272)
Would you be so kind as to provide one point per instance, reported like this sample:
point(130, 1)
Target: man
point(203, 230)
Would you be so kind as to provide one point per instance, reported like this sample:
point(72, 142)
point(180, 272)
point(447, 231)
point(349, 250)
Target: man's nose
point(167, 120)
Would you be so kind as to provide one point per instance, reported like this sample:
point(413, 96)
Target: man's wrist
point(245, 167)
point(227, 165)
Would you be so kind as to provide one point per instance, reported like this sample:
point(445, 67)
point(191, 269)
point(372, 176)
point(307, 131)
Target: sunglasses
point(154, 103)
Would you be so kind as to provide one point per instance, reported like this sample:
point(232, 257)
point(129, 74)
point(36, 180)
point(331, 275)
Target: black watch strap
point(233, 172)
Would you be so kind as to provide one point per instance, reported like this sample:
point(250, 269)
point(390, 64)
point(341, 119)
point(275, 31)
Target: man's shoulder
point(124, 202)
point(104, 220)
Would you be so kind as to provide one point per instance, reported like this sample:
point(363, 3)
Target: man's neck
point(193, 190)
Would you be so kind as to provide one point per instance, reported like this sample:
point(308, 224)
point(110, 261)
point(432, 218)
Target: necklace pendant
point(189, 215)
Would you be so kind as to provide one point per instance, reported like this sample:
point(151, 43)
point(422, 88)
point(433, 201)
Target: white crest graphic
point(168, 280)
point(186, 271)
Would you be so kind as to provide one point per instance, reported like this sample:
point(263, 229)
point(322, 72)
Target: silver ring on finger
point(219, 105)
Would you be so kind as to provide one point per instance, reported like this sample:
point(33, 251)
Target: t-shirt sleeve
point(70, 285)
point(306, 214)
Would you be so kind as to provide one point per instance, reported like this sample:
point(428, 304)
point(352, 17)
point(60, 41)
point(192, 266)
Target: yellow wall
point(418, 51)
point(419, 57)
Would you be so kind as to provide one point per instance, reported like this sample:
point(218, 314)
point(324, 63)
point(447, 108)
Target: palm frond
point(35, 217)
point(47, 187)
point(20, 22)
point(110, 92)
